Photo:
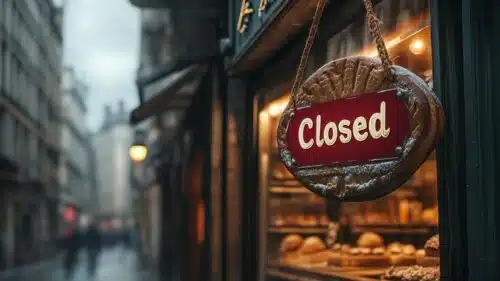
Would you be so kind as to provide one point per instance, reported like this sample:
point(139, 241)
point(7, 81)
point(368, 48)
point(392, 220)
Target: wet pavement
point(117, 264)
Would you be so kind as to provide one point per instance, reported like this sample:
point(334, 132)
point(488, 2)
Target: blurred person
point(93, 242)
point(72, 243)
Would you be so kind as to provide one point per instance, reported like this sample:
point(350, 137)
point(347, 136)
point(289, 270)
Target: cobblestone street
point(114, 264)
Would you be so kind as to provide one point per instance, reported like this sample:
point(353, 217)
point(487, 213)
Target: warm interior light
point(277, 107)
point(417, 47)
point(138, 153)
point(274, 110)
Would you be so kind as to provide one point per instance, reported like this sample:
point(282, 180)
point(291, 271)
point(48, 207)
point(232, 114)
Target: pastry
point(369, 253)
point(366, 257)
point(430, 255)
point(336, 253)
point(430, 216)
point(370, 240)
point(289, 248)
point(432, 246)
point(412, 273)
point(403, 255)
point(313, 251)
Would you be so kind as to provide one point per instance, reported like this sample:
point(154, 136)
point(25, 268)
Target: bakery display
point(370, 240)
point(337, 252)
point(289, 248)
point(313, 252)
point(430, 255)
point(412, 273)
point(402, 255)
point(370, 252)
point(355, 240)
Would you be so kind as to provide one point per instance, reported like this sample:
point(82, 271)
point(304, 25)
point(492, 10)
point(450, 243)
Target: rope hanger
point(373, 26)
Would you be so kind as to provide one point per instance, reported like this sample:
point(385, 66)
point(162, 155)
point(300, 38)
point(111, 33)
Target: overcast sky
point(101, 42)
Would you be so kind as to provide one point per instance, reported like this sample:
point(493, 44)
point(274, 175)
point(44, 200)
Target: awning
point(172, 91)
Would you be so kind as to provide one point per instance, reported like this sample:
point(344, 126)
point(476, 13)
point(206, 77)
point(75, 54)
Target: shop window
point(353, 240)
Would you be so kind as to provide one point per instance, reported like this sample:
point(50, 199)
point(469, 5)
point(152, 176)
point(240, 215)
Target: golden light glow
point(402, 33)
point(138, 153)
point(417, 47)
point(278, 106)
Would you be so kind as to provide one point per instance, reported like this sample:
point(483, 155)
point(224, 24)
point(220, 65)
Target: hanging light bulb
point(417, 47)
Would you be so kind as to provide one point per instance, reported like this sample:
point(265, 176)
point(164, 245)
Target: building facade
point(111, 144)
point(78, 187)
point(30, 110)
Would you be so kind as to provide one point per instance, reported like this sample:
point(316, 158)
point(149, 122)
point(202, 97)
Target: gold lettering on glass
point(245, 11)
point(263, 6)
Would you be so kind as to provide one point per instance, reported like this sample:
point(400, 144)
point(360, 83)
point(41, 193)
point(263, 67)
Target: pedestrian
point(93, 244)
point(72, 243)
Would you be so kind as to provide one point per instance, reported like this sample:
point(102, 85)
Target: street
point(114, 264)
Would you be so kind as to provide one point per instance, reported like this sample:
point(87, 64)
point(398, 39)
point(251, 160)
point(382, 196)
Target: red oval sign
point(354, 134)
point(363, 129)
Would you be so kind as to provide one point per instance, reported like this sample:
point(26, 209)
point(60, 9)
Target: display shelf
point(298, 229)
point(289, 190)
point(285, 182)
point(324, 273)
point(395, 228)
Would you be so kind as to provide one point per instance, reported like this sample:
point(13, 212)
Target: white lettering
point(360, 130)
point(330, 133)
point(309, 123)
point(344, 129)
point(358, 126)
point(319, 141)
point(379, 116)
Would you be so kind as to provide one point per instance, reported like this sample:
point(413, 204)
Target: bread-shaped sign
point(353, 134)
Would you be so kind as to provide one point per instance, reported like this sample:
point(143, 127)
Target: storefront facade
point(448, 194)
point(224, 195)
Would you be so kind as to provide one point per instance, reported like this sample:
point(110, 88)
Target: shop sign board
point(355, 133)
point(364, 129)
point(252, 17)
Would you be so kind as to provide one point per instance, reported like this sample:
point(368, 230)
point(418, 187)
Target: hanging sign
point(372, 130)
point(359, 127)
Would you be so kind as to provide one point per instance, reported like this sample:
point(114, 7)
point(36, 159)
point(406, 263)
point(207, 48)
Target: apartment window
point(14, 81)
point(2, 59)
point(7, 71)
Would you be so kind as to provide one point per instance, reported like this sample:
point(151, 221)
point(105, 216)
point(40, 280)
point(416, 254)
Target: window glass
point(355, 239)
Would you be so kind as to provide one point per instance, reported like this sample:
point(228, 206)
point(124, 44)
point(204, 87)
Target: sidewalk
point(43, 270)
point(118, 264)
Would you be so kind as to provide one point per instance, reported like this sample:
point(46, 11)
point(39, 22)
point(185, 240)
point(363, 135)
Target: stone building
point(77, 170)
point(111, 144)
point(30, 113)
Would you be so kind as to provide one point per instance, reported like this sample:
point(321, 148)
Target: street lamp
point(138, 152)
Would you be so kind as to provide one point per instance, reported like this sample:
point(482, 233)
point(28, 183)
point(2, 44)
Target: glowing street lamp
point(138, 152)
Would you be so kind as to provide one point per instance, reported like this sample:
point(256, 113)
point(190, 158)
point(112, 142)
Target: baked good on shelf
point(370, 240)
point(432, 246)
point(289, 248)
point(313, 252)
point(430, 216)
point(336, 253)
point(412, 273)
point(370, 252)
point(430, 255)
point(395, 247)
point(403, 255)
point(366, 257)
